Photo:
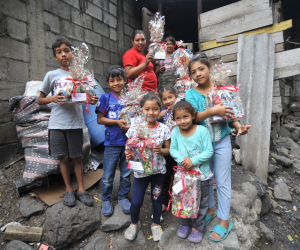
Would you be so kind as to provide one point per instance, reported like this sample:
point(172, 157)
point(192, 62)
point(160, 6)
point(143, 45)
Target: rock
point(297, 190)
point(24, 233)
point(282, 160)
point(261, 186)
point(266, 204)
point(280, 179)
point(99, 243)
point(283, 151)
point(268, 233)
point(240, 205)
point(295, 148)
point(296, 164)
point(119, 242)
point(284, 132)
point(237, 156)
point(290, 127)
point(276, 211)
point(281, 192)
point(63, 224)
point(250, 191)
point(286, 145)
point(18, 245)
point(271, 168)
point(295, 135)
point(296, 215)
point(295, 107)
point(30, 206)
point(274, 204)
point(257, 206)
point(117, 220)
point(231, 242)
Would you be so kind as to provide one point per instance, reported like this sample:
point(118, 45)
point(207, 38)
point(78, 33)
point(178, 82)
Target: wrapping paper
point(182, 86)
point(156, 28)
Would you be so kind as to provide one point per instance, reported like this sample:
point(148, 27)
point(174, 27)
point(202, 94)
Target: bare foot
point(223, 223)
point(211, 211)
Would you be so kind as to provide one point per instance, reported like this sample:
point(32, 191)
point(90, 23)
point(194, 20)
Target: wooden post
point(159, 6)
point(199, 11)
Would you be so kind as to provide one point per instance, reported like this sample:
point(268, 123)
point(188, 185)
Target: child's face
point(63, 55)
point(116, 84)
point(168, 99)
point(151, 110)
point(200, 72)
point(184, 119)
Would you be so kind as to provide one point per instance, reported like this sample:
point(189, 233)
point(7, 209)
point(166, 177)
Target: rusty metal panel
point(255, 72)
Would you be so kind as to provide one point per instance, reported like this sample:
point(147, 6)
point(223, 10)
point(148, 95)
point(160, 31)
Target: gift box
point(140, 148)
point(228, 94)
point(186, 201)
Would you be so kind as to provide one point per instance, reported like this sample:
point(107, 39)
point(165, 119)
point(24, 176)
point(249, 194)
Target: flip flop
point(85, 198)
point(69, 199)
point(220, 231)
point(209, 218)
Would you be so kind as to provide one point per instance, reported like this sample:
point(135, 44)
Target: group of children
point(193, 144)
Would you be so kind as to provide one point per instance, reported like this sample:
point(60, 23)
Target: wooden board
point(276, 88)
point(232, 11)
point(270, 29)
point(237, 25)
point(287, 63)
point(279, 47)
point(276, 104)
point(233, 67)
point(224, 59)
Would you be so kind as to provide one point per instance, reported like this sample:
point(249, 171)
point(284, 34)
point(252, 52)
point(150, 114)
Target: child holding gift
point(151, 107)
point(65, 125)
point(191, 148)
point(220, 163)
point(108, 114)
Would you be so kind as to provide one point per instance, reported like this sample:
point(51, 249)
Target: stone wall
point(27, 31)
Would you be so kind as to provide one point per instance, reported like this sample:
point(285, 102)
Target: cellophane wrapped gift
point(156, 28)
point(80, 85)
point(226, 93)
point(182, 86)
point(130, 97)
point(142, 157)
point(185, 204)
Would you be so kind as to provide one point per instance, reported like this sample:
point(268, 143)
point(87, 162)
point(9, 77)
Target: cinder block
point(114, 59)
point(135, 23)
point(11, 89)
point(114, 1)
point(16, 29)
point(51, 38)
point(103, 4)
point(128, 42)
point(23, 233)
point(101, 79)
point(109, 44)
point(93, 38)
point(11, 48)
point(109, 19)
point(14, 8)
point(128, 30)
point(72, 30)
point(81, 19)
point(106, 66)
point(73, 3)
point(17, 71)
point(5, 114)
point(2, 24)
point(113, 34)
point(94, 11)
point(126, 18)
point(112, 9)
point(51, 60)
point(9, 150)
point(100, 27)
point(98, 68)
point(3, 67)
point(58, 8)
point(52, 21)
point(128, 8)
point(101, 55)
point(8, 133)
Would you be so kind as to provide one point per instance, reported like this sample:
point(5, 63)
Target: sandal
point(125, 205)
point(85, 198)
point(209, 218)
point(69, 199)
point(223, 232)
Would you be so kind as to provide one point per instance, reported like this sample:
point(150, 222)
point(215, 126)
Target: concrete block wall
point(27, 31)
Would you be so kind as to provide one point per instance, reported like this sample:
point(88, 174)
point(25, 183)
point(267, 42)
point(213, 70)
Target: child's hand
point(162, 114)
point(162, 69)
point(187, 163)
point(58, 98)
point(223, 111)
point(122, 125)
point(157, 149)
point(94, 99)
point(243, 130)
point(127, 155)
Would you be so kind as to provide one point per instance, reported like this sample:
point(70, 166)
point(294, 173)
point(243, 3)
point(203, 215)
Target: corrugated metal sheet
point(255, 74)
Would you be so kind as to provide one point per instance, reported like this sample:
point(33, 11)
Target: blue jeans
point(112, 155)
point(220, 165)
point(139, 188)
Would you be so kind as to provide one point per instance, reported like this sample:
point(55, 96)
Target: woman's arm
point(133, 72)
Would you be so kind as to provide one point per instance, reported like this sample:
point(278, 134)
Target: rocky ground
point(264, 214)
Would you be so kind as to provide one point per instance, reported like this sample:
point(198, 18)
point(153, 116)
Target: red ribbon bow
point(228, 87)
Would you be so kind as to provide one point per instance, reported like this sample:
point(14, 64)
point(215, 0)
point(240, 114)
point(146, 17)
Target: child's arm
point(174, 148)
point(94, 99)
point(101, 119)
point(240, 129)
point(165, 150)
point(44, 100)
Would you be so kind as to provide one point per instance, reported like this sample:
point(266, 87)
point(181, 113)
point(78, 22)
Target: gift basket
point(156, 28)
point(224, 93)
point(142, 157)
point(180, 61)
point(186, 193)
point(80, 86)
point(131, 99)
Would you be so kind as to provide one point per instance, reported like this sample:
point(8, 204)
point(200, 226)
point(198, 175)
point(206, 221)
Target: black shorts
point(65, 142)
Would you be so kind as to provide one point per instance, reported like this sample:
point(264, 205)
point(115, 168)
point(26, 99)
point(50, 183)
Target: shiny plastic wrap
point(156, 29)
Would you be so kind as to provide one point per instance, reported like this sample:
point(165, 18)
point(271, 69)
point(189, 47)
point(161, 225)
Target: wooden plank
point(233, 67)
point(232, 11)
point(286, 71)
point(224, 59)
point(237, 25)
point(271, 29)
point(231, 81)
point(276, 88)
point(287, 58)
point(279, 47)
point(199, 11)
point(276, 104)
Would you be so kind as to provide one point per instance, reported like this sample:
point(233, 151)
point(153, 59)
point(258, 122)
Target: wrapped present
point(180, 61)
point(142, 157)
point(156, 28)
point(130, 97)
point(182, 86)
point(224, 93)
point(80, 86)
point(186, 193)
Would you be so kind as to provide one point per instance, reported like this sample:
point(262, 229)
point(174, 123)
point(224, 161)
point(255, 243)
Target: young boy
point(108, 114)
point(65, 125)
